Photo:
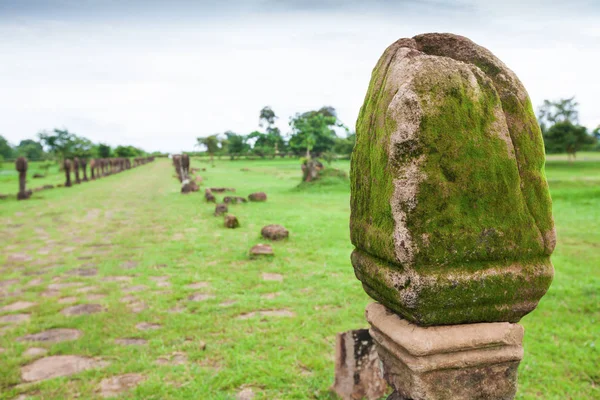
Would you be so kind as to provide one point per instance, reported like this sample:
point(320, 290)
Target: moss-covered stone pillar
point(21, 166)
point(450, 217)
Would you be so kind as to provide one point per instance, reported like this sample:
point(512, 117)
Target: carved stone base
point(357, 368)
point(458, 362)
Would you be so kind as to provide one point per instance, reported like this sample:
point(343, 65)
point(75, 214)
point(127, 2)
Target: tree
point(313, 131)
point(344, 146)
point(31, 150)
point(236, 144)
point(59, 142)
point(211, 143)
point(596, 133)
point(6, 150)
point(565, 137)
point(273, 142)
point(552, 112)
point(103, 150)
point(82, 147)
point(128, 151)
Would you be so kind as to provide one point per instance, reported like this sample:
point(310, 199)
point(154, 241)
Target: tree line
point(559, 121)
point(60, 144)
point(313, 133)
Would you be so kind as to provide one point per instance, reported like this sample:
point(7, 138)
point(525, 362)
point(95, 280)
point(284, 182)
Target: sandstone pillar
point(76, 170)
point(21, 166)
point(450, 218)
point(92, 168)
point(67, 166)
point(83, 163)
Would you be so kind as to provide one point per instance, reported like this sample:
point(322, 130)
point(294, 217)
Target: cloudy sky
point(157, 74)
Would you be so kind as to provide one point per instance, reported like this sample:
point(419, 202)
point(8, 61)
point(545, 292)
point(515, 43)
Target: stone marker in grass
point(210, 198)
point(450, 217)
point(76, 170)
point(21, 166)
point(67, 165)
point(231, 221)
point(261, 250)
point(258, 196)
point(220, 209)
point(274, 232)
point(83, 162)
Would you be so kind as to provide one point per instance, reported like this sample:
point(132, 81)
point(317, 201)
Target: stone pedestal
point(458, 362)
point(357, 368)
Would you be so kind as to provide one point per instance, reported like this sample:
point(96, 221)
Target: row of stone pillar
point(99, 167)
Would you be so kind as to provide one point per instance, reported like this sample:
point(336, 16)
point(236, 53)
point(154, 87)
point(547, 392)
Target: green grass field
point(148, 243)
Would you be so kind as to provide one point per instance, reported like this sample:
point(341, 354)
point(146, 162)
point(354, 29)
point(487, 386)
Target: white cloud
point(160, 83)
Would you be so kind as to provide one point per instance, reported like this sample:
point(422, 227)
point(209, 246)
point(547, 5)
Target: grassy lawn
point(151, 255)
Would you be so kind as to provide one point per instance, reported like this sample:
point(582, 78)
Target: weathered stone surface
point(55, 366)
point(17, 306)
point(231, 222)
point(131, 341)
point(111, 387)
point(233, 200)
point(210, 198)
point(34, 352)
point(261, 250)
point(56, 335)
point(470, 361)
point(274, 232)
point(258, 196)
point(14, 318)
point(451, 215)
point(222, 189)
point(220, 209)
point(147, 326)
point(82, 309)
point(358, 372)
point(268, 276)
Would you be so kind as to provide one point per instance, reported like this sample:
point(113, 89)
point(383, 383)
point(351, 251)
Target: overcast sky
point(157, 74)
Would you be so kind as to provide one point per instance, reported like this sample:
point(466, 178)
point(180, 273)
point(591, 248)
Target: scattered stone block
point(231, 222)
point(35, 352)
point(234, 200)
point(17, 306)
point(82, 309)
point(258, 196)
point(210, 198)
point(56, 366)
point(131, 341)
point(220, 209)
point(261, 250)
point(222, 189)
point(114, 386)
point(14, 318)
point(274, 232)
point(358, 373)
point(56, 335)
point(267, 276)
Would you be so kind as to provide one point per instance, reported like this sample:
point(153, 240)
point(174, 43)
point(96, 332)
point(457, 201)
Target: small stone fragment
point(56, 335)
point(17, 306)
point(231, 222)
point(274, 232)
point(234, 199)
point(35, 352)
point(82, 309)
point(246, 394)
point(115, 385)
point(55, 366)
point(220, 209)
point(258, 196)
point(146, 326)
point(131, 341)
point(210, 198)
point(261, 250)
point(14, 318)
point(200, 297)
point(272, 277)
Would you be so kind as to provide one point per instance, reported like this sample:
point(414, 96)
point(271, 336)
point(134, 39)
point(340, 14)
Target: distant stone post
point(21, 166)
point(67, 166)
point(83, 163)
point(92, 168)
point(76, 169)
point(450, 218)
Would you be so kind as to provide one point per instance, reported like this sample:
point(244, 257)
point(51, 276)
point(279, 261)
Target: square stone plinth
point(459, 362)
